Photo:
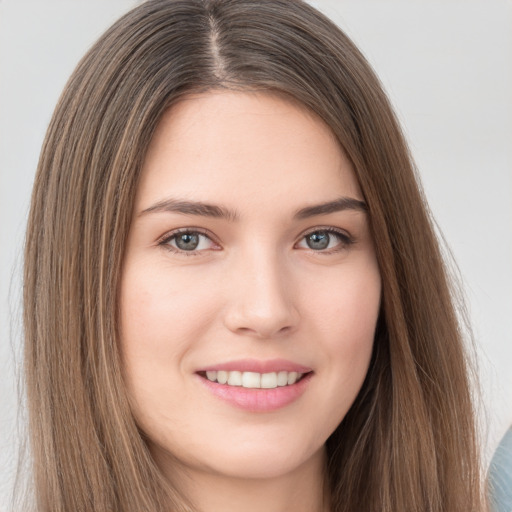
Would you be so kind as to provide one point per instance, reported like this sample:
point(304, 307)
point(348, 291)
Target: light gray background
point(447, 66)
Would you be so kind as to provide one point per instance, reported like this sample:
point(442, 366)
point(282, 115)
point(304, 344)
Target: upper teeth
point(253, 379)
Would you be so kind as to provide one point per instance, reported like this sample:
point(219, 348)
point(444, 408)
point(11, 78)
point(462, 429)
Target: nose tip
point(262, 305)
point(262, 327)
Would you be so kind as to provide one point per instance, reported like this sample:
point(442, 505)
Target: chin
point(265, 460)
point(258, 466)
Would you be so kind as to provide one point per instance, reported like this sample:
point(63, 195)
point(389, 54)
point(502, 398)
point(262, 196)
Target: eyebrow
point(211, 210)
point(338, 205)
point(192, 208)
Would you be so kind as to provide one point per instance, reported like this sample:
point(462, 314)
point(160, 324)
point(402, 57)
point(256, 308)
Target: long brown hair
point(408, 443)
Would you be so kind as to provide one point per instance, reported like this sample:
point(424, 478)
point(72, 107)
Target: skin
point(253, 289)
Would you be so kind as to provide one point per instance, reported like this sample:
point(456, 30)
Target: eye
point(188, 241)
point(325, 240)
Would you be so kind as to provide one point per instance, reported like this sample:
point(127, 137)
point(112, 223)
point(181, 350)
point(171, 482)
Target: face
point(250, 289)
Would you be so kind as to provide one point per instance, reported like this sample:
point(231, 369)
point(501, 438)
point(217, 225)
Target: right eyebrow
point(191, 208)
point(338, 205)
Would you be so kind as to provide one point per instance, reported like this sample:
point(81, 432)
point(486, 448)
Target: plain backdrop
point(447, 66)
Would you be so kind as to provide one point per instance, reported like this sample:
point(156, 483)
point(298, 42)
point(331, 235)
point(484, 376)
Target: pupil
point(318, 240)
point(187, 241)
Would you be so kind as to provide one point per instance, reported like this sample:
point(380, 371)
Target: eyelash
point(164, 241)
point(345, 240)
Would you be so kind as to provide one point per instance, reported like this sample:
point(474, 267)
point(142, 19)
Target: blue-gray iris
point(318, 240)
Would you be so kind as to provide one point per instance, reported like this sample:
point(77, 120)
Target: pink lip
point(258, 366)
point(257, 400)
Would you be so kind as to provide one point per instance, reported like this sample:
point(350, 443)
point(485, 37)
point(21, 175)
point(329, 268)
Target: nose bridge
point(262, 302)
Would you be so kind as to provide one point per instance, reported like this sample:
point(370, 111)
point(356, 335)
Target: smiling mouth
point(253, 380)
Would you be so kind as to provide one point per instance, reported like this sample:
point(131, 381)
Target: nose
point(261, 300)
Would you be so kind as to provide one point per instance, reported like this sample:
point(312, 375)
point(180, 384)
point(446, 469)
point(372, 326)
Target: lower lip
point(257, 399)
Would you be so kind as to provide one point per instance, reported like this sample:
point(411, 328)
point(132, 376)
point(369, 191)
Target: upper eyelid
point(329, 229)
point(173, 232)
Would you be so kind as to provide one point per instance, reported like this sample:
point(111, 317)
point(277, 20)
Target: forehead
point(244, 147)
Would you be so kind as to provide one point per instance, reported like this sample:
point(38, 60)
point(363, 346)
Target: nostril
point(265, 332)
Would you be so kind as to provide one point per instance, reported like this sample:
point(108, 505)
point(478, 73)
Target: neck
point(301, 490)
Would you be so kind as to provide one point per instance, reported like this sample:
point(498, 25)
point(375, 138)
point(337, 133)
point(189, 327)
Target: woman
point(233, 294)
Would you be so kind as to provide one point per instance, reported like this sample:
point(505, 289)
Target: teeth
point(269, 380)
point(292, 377)
point(253, 379)
point(282, 378)
point(235, 378)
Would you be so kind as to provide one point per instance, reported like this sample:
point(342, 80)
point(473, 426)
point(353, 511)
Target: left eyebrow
point(341, 204)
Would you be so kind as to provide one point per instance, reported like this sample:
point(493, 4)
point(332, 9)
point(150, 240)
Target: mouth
point(239, 384)
point(254, 380)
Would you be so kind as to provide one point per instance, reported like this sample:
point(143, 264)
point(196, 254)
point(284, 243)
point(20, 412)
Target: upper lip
point(257, 366)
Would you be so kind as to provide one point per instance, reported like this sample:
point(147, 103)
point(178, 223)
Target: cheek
point(160, 311)
point(345, 320)
point(346, 308)
point(159, 327)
